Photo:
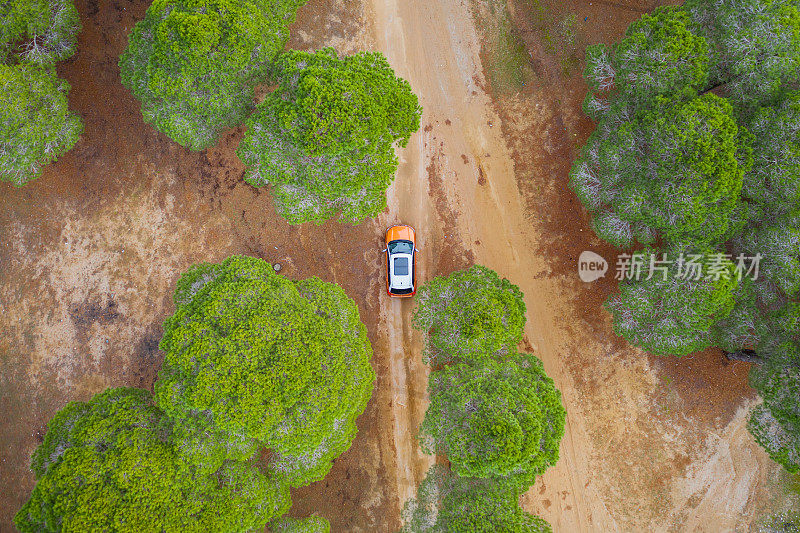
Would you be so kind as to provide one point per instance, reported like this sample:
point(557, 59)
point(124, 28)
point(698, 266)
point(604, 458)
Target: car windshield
point(400, 247)
point(401, 266)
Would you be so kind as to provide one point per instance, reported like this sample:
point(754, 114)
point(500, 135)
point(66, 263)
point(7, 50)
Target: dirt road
point(434, 45)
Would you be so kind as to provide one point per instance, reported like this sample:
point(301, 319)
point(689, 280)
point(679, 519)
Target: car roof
point(401, 281)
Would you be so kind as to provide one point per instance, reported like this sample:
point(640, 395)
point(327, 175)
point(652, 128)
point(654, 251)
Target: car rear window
point(401, 266)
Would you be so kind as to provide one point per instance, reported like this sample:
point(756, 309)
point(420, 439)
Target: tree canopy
point(324, 139)
point(38, 31)
point(36, 126)
point(674, 171)
point(469, 315)
point(109, 464)
point(448, 503)
point(775, 423)
point(502, 420)
point(658, 56)
point(494, 413)
point(257, 360)
point(772, 188)
point(255, 363)
point(675, 310)
point(194, 64)
point(754, 46)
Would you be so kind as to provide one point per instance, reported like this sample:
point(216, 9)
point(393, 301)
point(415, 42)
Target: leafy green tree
point(775, 423)
point(673, 172)
point(469, 315)
point(310, 524)
point(659, 56)
point(447, 503)
point(778, 243)
point(36, 127)
point(325, 137)
point(257, 360)
point(771, 191)
point(38, 31)
point(502, 420)
point(754, 46)
point(109, 465)
point(194, 64)
point(772, 187)
point(673, 312)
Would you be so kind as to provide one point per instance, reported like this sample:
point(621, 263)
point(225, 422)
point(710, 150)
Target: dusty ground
point(91, 252)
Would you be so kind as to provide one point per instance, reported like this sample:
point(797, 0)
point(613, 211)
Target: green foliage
point(325, 137)
point(109, 465)
point(194, 64)
point(772, 188)
point(673, 172)
point(494, 413)
point(36, 126)
point(754, 45)
point(658, 56)
point(257, 360)
point(775, 423)
point(502, 420)
point(310, 524)
point(772, 192)
point(469, 315)
point(448, 503)
point(782, 513)
point(673, 313)
point(778, 241)
point(38, 31)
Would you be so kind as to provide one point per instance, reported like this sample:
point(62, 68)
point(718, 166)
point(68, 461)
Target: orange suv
point(401, 257)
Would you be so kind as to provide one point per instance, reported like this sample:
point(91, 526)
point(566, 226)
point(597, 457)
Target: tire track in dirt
point(408, 203)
